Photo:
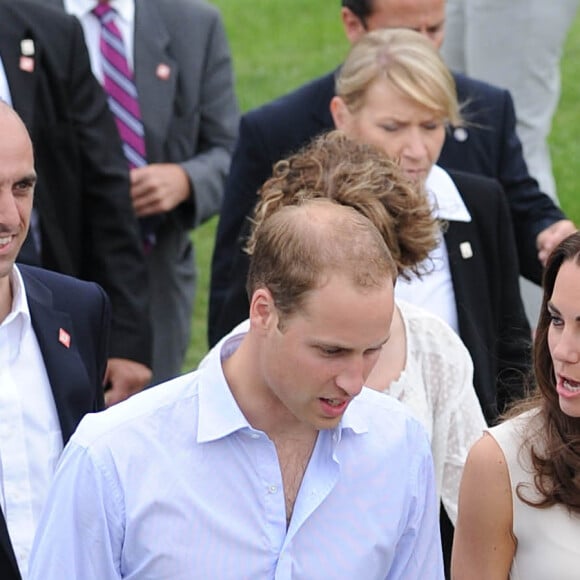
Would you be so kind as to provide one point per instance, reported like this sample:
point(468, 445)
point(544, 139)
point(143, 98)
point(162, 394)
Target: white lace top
point(437, 384)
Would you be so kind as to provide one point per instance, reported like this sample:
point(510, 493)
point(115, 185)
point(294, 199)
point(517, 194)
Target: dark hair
point(360, 8)
point(557, 460)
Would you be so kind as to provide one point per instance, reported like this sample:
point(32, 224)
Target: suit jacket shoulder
point(191, 114)
point(488, 145)
point(71, 320)
point(292, 120)
point(492, 321)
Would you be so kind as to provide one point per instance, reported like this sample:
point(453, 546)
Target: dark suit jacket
point(492, 321)
point(87, 223)
point(272, 131)
point(75, 373)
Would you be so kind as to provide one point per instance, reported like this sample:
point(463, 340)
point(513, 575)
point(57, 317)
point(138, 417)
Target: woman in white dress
point(519, 509)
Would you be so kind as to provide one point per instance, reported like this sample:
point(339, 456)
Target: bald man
point(54, 334)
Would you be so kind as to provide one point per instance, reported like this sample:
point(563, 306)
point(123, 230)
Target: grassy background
point(279, 44)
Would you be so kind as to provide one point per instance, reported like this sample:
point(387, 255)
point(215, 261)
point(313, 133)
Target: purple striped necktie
point(120, 86)
point(124, 103)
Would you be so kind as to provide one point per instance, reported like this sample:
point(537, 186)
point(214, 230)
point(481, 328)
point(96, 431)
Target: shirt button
point(273, 488)
point(254, 436)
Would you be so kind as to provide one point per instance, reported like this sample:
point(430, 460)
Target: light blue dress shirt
point(176, 484)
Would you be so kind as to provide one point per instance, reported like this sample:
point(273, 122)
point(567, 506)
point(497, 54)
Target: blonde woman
point(395, 92)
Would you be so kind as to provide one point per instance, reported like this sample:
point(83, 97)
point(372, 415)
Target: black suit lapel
point(157, 92)
point(321, 110)
point(21, 69)
point(463, 263)
point(64, 367)
point(8, 564)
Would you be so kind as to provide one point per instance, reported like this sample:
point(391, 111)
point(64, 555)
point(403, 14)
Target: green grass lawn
point(279, 44)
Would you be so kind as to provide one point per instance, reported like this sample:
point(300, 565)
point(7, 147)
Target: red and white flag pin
point(163, 71)
point(64, 337)
point(26, 64)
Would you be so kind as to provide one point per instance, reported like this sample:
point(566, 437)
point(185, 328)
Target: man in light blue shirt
point(271, 460)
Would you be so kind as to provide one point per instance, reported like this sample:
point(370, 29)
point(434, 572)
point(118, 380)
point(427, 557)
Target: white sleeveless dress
point(548, 540)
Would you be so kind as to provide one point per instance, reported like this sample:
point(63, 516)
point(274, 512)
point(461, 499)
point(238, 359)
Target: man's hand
point(158, 188)
point(549, 238)
point(125, 377)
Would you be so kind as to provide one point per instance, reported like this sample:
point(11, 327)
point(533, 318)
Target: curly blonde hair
point(362, 177)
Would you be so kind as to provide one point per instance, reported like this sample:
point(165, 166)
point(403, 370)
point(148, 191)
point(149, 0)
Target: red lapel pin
point(163, 71)
point(64, 337)
point(27, 64)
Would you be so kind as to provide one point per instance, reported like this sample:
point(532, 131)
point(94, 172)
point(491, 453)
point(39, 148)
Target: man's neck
point(263, 410)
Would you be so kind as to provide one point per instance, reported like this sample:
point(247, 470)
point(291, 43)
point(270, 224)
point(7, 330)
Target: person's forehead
point(406, 13)
point(16, 150)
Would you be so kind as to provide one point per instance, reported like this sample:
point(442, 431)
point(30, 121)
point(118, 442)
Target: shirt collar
point(19, 301)
point(219, 414)
point(79, 8)
point(445, 197)
point(19, 314)
point(352, 420)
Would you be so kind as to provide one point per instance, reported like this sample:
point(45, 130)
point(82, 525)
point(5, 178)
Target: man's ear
point(340, 113)
point(353, 27)
point(263, 313)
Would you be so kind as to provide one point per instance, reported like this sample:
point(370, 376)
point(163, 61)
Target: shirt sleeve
point(80, 533)
point(418, 553)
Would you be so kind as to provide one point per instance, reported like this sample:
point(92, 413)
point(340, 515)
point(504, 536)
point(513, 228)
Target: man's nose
point(352, 377)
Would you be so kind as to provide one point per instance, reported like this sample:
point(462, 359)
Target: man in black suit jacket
point(86, 224)
point(488, 146)
point(69, 322)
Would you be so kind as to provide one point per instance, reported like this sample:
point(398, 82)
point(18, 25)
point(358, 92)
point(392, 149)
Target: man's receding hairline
point(7, 113)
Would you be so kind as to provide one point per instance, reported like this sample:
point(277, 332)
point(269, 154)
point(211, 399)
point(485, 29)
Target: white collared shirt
point(175, 483)
point(125, 21)
point(4, 88)
point(30, 434)
point(434, 291)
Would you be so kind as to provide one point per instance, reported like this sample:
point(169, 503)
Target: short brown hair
point(362, 177)
point(297, 248)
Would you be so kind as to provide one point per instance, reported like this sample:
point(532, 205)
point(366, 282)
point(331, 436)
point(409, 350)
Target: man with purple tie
point(178, 61)
point(82, 222)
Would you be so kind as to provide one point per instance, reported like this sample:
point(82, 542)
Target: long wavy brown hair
point(556, 460)
point(362, 177)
